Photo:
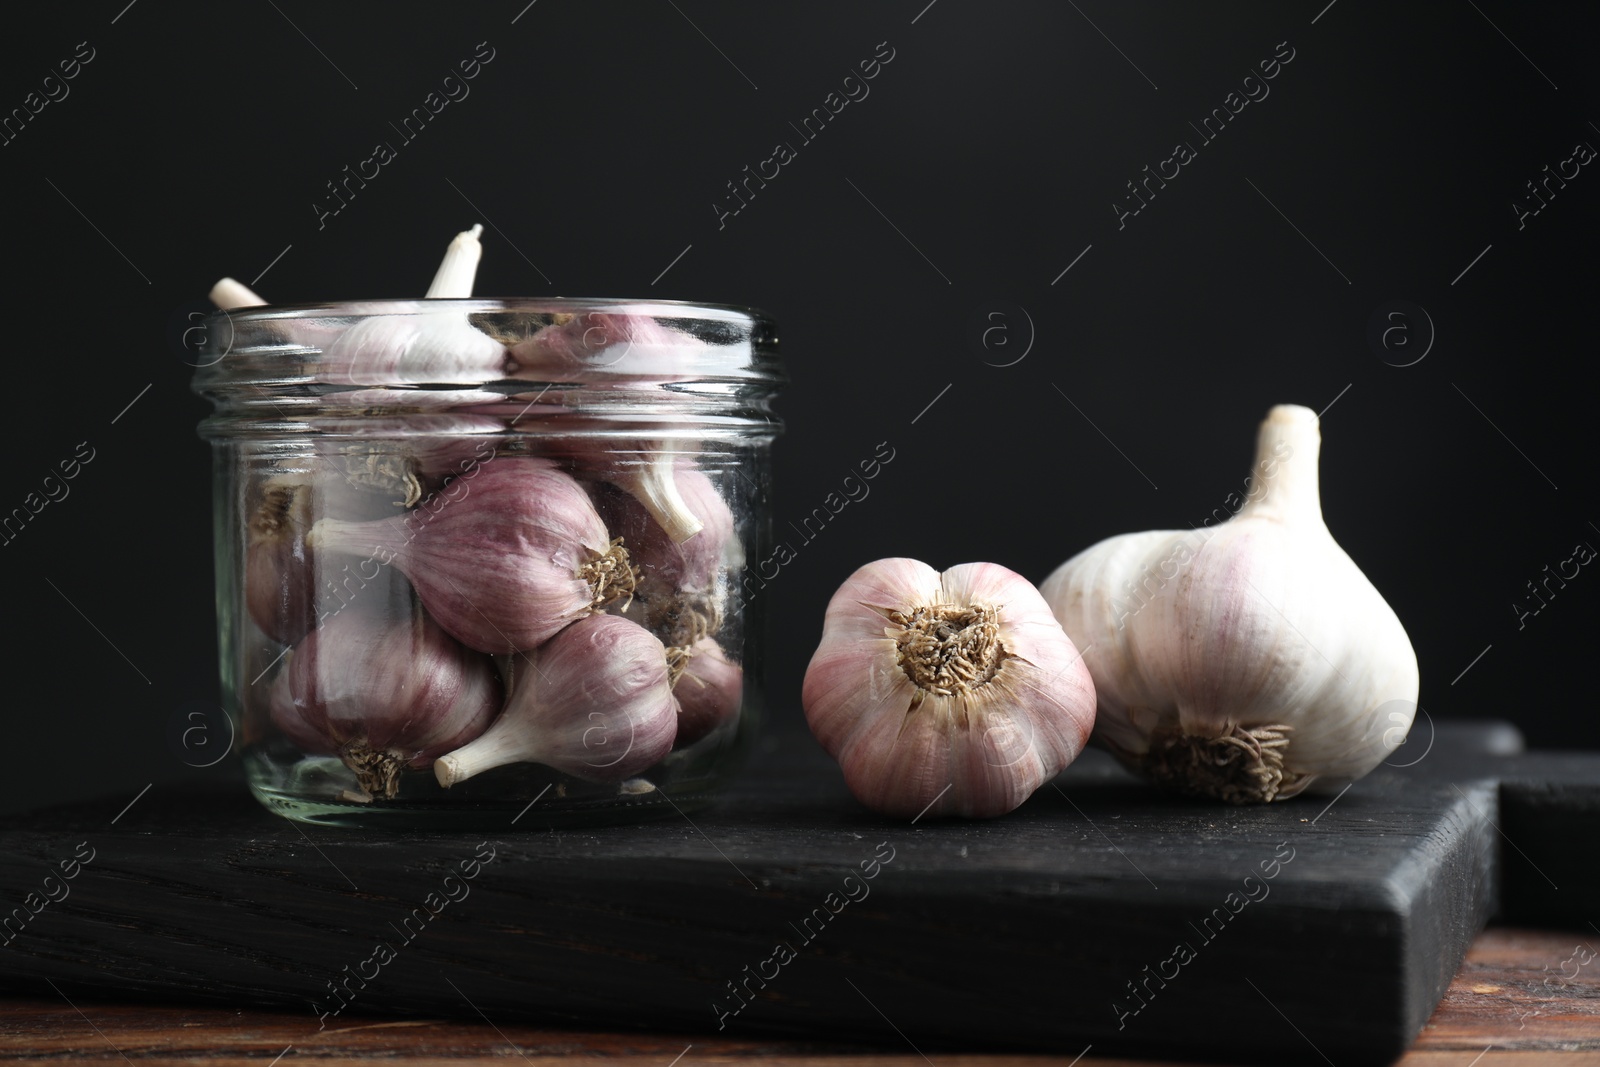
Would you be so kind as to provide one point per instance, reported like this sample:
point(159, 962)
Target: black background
point(596, 142)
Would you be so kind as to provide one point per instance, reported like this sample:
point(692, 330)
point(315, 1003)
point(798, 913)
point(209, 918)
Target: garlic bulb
point(287, 586)
point(383, 693)
point(954, 693)
point(503, 560)
point(667, 564)
point(1247, 661)
point(439, 346)
point(411, 344)
point(279, 576)
point(621, 344)
point(679, 583)
point(708, 690)
point(653, 482)
point(595, 704)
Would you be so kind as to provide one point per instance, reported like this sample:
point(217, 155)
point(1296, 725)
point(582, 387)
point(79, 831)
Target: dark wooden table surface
point(1523, 997)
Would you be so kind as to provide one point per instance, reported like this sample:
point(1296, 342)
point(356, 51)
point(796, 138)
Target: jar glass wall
point(479, 561)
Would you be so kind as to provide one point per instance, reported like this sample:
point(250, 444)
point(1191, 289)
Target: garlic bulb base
point(377, 772)
point(946, 648)
point(1242, 766)
point(611, 576)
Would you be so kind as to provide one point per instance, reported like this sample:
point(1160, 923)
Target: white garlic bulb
point(1247, 661)
point(396, 342)
point(951, 693)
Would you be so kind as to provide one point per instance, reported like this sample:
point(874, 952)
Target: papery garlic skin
point(1249, 661)
point(951, 694)
point(593, 703)
point(502, 559)
point(383, 694)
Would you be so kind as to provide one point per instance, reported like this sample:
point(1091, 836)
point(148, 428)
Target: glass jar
point(477, 561)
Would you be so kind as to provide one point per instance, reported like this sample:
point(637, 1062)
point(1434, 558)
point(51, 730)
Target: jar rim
point(608, 343)
point(356, 307)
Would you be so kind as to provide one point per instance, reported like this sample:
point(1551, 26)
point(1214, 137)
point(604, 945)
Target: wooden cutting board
point(1101, 912)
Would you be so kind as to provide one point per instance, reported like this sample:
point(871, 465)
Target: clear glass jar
point(477, 561)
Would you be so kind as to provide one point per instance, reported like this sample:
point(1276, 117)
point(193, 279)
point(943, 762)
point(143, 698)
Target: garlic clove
point(709, 692)
point(460, 266)
point(595, 704)
point(384, 693)
point(503, 559)
point(952, 693)
point(1249, 661)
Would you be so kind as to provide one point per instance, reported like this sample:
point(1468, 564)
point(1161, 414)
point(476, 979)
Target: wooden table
point(1523, 997)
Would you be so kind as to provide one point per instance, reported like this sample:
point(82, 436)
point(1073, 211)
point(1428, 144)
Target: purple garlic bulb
point(596, 704)
point(383, 694)
point(709, 691)
point(503, 557)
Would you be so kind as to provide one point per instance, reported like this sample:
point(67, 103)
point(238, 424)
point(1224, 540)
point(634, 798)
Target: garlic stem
point(472, 760)
point(460, 265)
point(1283, 481)
point(228, 294)
point(656, 487)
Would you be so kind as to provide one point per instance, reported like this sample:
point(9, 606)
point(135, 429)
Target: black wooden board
point(1054, 928)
